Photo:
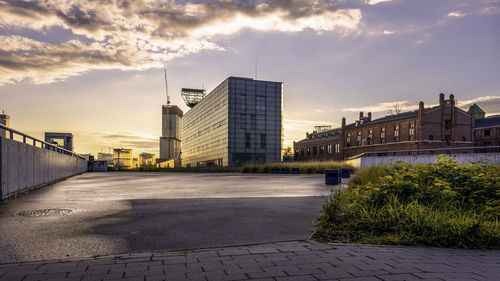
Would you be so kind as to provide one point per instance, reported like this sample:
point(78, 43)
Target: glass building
point(239, 122)
point(122, 158)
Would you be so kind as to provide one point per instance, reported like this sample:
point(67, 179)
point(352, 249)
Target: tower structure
point(4, 120)
point(170, 140)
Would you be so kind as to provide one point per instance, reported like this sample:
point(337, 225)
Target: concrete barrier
point(367, 161)
point(24, 167)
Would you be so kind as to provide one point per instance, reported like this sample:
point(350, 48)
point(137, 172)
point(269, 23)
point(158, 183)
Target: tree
point(287, 151)
point(396, 109)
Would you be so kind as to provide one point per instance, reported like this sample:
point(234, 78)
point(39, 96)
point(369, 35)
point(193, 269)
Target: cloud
point(456, 14)
point(388, 32)
point(375, 2)
point(141, 34)
point(490, 11)
point(408, 106)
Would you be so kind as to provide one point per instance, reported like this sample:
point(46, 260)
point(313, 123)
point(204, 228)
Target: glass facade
point(239, 122)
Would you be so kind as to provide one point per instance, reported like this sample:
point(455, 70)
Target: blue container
point(275, 170)
point(345, 173)
point(332, 176)
point(295, 171)
point(284, 170)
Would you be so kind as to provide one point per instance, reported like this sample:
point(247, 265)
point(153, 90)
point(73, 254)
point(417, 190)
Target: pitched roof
point(490, 121)
point(477, 109)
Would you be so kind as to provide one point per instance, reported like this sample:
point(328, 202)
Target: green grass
point(444, 205)
point(304, 167)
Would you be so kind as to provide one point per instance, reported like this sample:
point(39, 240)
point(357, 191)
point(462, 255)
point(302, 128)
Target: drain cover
point(45, 212)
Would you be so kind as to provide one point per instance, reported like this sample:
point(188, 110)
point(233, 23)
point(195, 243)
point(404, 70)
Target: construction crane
point(166, 85)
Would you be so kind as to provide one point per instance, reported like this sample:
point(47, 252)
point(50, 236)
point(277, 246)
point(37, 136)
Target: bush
point(444, 204)
point(304, 167)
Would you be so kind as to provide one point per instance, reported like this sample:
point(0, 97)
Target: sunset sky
point(94, 68)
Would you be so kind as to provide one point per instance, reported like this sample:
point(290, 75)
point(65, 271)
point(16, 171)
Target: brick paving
point(286, 261)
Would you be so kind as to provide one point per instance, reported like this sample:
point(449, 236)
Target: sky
point(95, 67)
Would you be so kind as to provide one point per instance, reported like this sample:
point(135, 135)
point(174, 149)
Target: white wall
point(424, 159)
point(25, 167)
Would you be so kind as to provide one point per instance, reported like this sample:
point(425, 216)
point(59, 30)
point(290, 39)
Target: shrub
point(304, 167)
point(444, 204)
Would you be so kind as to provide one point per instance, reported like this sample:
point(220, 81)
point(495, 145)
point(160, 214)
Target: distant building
point(240, 121)
point(171, 132)
point(122, 158)
point(64, 140)
point(108, 157)
point(487, 132)
point(147, 159)
point(439, 127)
point(4, 120)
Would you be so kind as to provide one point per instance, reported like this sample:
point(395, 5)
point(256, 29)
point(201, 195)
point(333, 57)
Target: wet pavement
point(123, 212)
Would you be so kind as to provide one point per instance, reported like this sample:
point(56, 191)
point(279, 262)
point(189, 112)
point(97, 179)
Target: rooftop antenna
point(255, 68)
point(166, 85)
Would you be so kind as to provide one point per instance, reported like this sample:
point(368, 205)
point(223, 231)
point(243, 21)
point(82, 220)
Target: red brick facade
point(439, 127)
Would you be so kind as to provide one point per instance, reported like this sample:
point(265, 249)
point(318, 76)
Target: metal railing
point(9, 134)
point(429, 151)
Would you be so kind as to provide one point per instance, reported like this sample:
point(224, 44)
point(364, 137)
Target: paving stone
point(398, 277)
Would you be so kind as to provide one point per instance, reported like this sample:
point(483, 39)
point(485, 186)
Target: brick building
point(487, 132)
point(439, 127)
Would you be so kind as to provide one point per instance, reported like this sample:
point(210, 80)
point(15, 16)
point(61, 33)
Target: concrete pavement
point(123, 212)
point(297, 260)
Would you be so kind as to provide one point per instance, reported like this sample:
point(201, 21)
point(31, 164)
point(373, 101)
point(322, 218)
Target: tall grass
point(444, 204)
point(304, 167)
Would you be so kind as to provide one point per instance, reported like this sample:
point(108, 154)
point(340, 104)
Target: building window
point(247, 141)
point(253, 121)
point(296, 153)
point(329, 149)
point(382, 135)
point(260, 103)
point(321, 150)
point(487, 133)
point(263, 141)
point(396, 133)
point(308, 152)
point(447, 139)
point(240, 100)
point(411, 131)
point(431, 137)
point(370, 136)
point(348, 139)
point(301, 152)
point(337, 148)
point(315, 150)
point(447, 124)
point(358, 138)
point(242, 121)
point(464, 138)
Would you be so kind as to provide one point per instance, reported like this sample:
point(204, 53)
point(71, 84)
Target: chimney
point(452, 99)
point(343, 122)
point(307, 135)
point(441, 99)
point(360, 115)
point(421, 107)
point(369, 116)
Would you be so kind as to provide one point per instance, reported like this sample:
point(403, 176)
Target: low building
point(108, 157)
point(487, 133)
point(64, 140)
point(441, 127)
point(147, 160)
point(122, 158)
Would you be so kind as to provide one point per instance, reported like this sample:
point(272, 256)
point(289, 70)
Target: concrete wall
point(363, 162)
point(24, 167)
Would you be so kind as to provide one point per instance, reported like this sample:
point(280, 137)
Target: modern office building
point(122, 158)
point(239, 122)
point(171, 133)
point(64, 140)
point(108, 157)
point(4, 120)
